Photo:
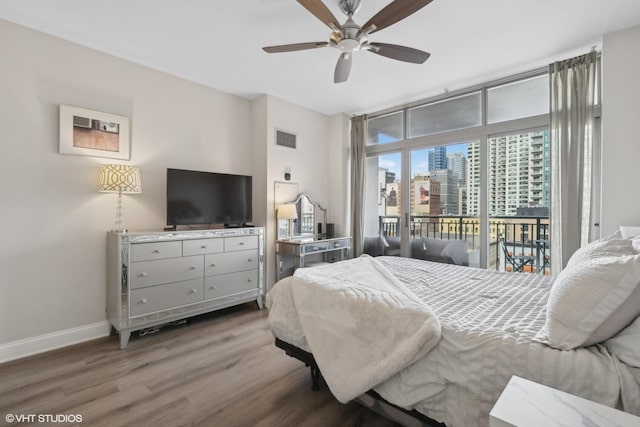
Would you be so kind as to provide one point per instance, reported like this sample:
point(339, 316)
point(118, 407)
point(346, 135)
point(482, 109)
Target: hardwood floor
point(220, 369)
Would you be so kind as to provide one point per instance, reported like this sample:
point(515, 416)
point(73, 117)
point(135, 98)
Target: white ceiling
point(218, 43)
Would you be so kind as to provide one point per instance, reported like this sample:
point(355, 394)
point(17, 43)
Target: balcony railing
point(516, 243)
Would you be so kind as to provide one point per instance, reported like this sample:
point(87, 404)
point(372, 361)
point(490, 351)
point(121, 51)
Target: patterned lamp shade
point(121, 179)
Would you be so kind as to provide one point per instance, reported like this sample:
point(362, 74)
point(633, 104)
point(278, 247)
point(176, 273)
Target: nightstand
point(524, 403)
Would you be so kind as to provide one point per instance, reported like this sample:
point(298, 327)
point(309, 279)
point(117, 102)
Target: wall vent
point(285, 139)
point(83, 122)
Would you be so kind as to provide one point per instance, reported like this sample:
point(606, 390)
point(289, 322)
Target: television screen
point(195, 197)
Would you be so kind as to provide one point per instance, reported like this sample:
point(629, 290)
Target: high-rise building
point(457, 163)
point(519, 173)
point(438, 158)
point(473, 179)
point(425, 196)
point(448, 190)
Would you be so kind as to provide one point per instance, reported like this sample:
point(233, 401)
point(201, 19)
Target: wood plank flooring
point(220, 369)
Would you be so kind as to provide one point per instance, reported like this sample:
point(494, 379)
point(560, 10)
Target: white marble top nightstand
point(525, 403)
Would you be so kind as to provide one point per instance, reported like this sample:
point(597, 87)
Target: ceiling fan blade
point(294, 47)
point(394, 12)
point(322, 12)
point(400, 53)
point(343, 68)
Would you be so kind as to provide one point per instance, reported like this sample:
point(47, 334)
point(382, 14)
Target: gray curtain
point(358, 135)
point(572, 89)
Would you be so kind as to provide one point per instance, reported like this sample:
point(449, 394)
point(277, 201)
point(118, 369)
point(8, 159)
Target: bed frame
point(370, 399)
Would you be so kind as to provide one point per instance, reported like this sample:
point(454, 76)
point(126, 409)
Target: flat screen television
point(195, 197)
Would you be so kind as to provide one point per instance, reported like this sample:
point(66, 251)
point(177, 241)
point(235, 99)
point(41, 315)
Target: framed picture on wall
point(92, 133)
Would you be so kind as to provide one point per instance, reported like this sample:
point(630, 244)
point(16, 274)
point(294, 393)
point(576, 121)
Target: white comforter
point(361, 323)
point(491, 327)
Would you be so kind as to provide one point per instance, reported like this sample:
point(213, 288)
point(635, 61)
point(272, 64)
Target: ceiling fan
point(351, 37)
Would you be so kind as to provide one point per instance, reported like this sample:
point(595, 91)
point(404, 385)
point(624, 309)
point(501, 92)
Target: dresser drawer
point(240, 243)
point(344, 243)
point(230, 262)
point(229, 284)
point(150, 273)
point(162, 297)
point(155, 250)
point(315, 247)
point(202, 246)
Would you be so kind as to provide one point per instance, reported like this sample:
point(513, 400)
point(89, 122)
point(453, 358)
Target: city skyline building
point(448, 190)
point(457, 162)
point(437, 158)
point(519, 173)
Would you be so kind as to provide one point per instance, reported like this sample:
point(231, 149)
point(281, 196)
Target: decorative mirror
point(311, 219)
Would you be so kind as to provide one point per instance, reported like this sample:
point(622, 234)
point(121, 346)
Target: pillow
point(587, 300)
point(457, 251)
point(626, 345)
point(629, 232)
point(613, 245)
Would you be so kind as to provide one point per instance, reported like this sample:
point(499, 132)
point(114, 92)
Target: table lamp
point(121, 179)
point(289, 212)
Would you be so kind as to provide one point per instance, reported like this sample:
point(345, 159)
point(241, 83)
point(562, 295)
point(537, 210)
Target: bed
point(483, 327)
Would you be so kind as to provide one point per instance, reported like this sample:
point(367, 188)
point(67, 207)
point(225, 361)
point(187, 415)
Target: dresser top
point(158, 236)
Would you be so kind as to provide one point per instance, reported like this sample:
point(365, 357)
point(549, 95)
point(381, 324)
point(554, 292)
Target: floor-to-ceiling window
point(470, 167)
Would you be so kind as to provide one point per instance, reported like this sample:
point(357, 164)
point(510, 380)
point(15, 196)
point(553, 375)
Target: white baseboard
point(40, 344)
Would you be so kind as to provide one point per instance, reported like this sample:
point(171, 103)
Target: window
point(472, 167)
point(523, 98)
point(456, 113)
point(386, 128)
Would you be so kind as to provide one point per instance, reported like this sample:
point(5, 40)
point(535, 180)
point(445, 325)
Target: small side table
point(524, 403)
point(297, 249)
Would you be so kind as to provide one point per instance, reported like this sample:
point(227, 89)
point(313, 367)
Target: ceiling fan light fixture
point(348, 45)
point(351, 37)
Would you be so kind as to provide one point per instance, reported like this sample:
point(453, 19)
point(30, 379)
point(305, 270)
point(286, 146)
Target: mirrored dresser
point(298, 253)
point(310, 241)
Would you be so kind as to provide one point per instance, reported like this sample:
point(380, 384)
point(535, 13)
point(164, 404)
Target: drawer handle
point(212, 265)
point(241, 243)
point(144, 274)
point(250, 260)
point(143, 301)
point(203, 247)
point(156, 251)
point(213, 287)
point(193, 267)
point(336, 244)
point(249, 280)
point(193, 291)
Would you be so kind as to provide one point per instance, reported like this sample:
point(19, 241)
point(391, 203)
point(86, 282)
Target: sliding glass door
point(463, 177)
point(445, 225)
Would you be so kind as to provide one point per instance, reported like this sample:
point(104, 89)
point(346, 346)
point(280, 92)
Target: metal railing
point(510, 237)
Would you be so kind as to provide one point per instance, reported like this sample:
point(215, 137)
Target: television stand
point(158, 277)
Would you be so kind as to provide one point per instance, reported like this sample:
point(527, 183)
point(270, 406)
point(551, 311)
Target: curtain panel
point(358, 140)
point(572, 98)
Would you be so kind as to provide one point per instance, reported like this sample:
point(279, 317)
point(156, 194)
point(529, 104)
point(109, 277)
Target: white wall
point(308, 162)
point(620, 141)
point(52, 257)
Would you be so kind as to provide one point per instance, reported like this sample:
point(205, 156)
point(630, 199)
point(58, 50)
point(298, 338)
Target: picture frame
point(92, 133)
